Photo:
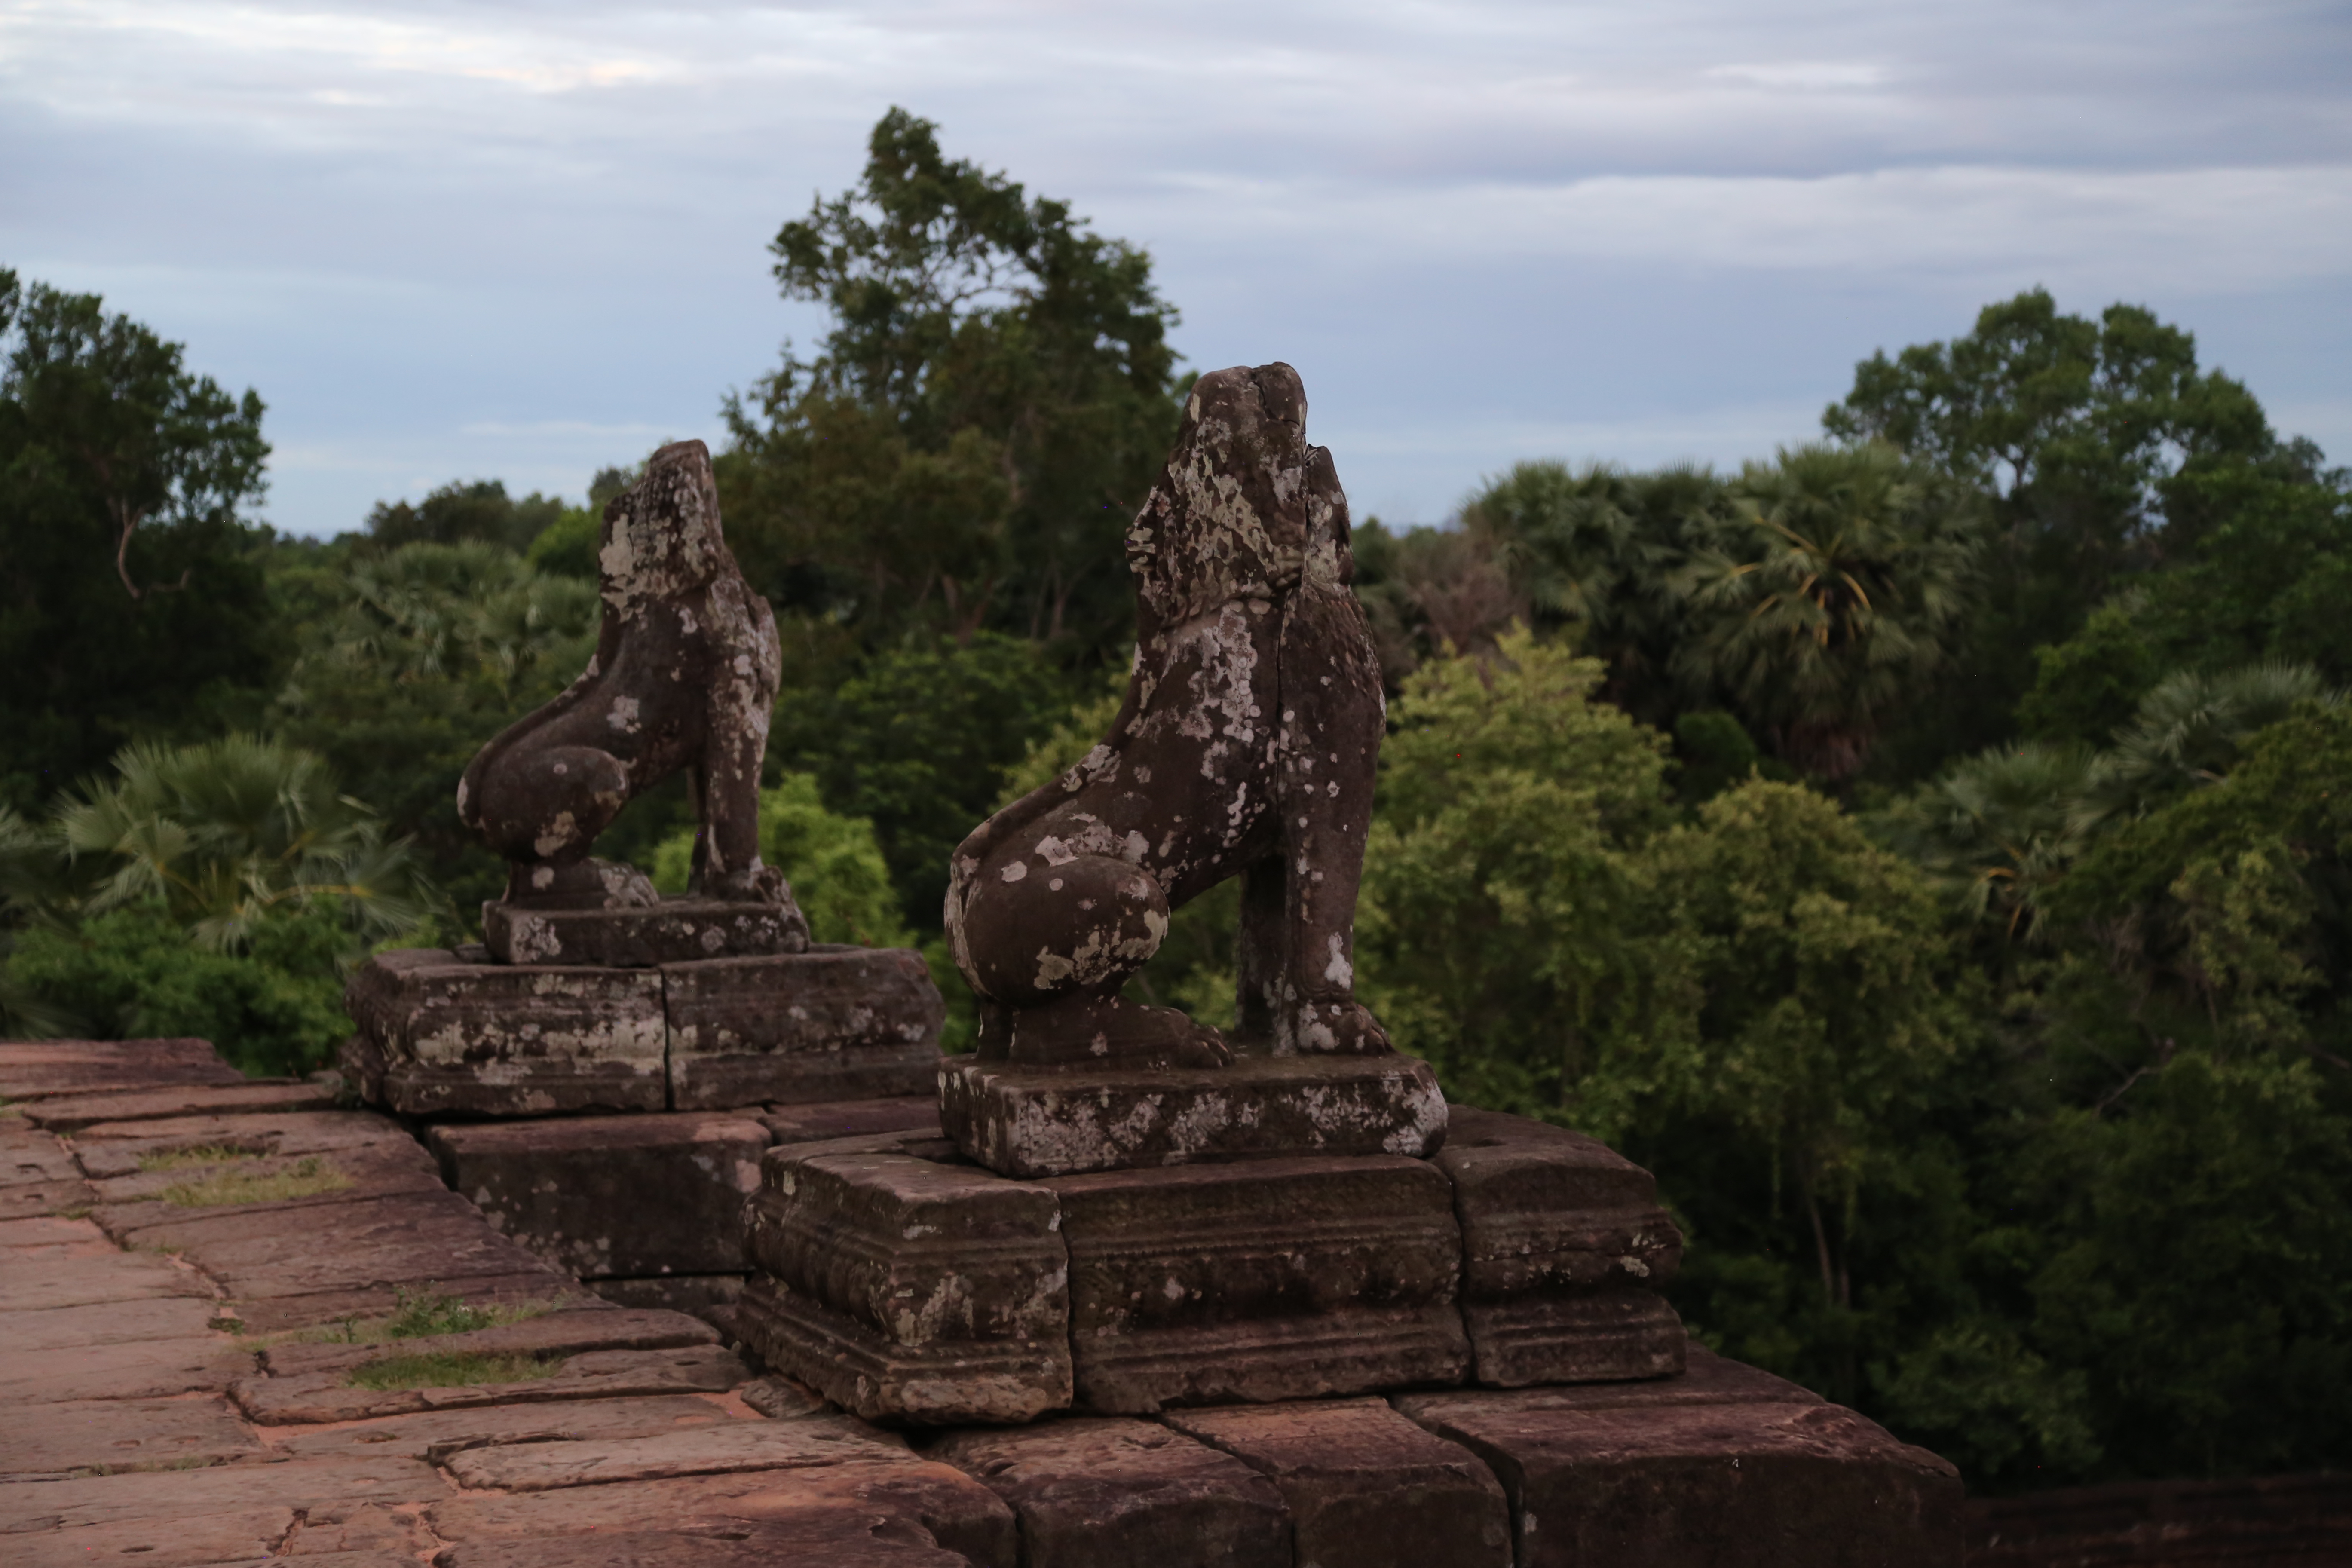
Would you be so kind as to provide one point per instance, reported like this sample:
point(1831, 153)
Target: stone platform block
point(1092, 1492)
point(35, 1069)
point(1564, 1248)
point(1741, 1469)
point(1261, 1280)
point(903, 1288)
point(599, 1197)
point(673, 930)
point(1365, 1487)
point(855, 1118)
point(832, 1023)
point(444, 1033)
point(1029, 1122)
point(498, 1040)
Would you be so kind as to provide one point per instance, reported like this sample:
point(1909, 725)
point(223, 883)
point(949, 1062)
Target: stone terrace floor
point(179, 1388)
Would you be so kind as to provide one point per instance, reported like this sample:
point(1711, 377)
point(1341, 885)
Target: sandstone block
point(701, 1451)
point(832, 1023)
point(1365, 1487)
point(1031, 1121)
point(1089, 1491)
point(603, 1195)
point(435, 1434)
point(711, 1298)
point(106, 1435)
point(511, 1039)
point(1564, 1246)
point(855, 1118)
point(905, 1288)
point(1671, 1482)
point(1260, 1279)
point(32, 1070)
point(673, 930)
point(310, 1398)
point(72, 1112)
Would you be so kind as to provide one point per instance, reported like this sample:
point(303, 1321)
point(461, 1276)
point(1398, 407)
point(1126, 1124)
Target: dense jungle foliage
point(1921, 848)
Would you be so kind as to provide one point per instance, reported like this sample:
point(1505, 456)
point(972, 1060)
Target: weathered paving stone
point(29, 1156)
point(1260, 1279)
point(855, 1118)
point(906, 1287)
point(494, 1039)
point(406, 1240)
point(147, 1369)
point(280, 1314)
point(310, 1398)
point(180, 1495)
point(33, 1069)
point(1029, 1122)
point(1365, 1487)
point(71, 1113)
point(673, 930)
point(832, 1023)
point(572, 1332)
point(111, 1434)
point(45, 1198)
point(108, 1323)
point(1564, 1248)
point(839, 1539)
point(32, 1283)
point(709, 1297)
point(1091, 1491)
point(199, 1541)
point(1707, 1379)
point(1670, 1481)
point(603, 1195)
point(901, 1495)
point(135, 1211)
point(114, 1148)
point(716, 1450)
point(435, 1434)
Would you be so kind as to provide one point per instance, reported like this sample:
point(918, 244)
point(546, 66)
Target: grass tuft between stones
point(452, 1369)
point(199, 1155)
point(305, 1178)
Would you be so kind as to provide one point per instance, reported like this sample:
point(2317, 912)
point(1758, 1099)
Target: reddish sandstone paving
point(147, 1425)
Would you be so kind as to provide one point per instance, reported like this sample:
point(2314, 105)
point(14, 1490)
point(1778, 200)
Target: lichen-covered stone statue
point(1245, 748)
point(685, 671)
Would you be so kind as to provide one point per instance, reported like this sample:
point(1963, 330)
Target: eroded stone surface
point(149, 1209)
point(509, 1039)
point(592, 1328)
point(715, 1450)
point(673, 930)
point(709, 1297)
point(1095, 1490)
point(1246, 747)
point(1261, 1280)
point(435, 1434)
point(1564, 1248)
point(1030, 1122)
point(917, 1113)
point(308, 1398)
point(603, 1195)
point(72, 1112)
point(1365, 1487)
point(109, 1434)
point(38, 1070)
point(905, 1288)
point(1677, 1483)
point(834, 1023)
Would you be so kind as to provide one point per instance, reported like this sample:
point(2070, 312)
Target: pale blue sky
point(524, 241)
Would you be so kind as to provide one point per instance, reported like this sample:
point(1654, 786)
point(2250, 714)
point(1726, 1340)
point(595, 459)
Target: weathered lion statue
point(1246, 747)
point(684, 675)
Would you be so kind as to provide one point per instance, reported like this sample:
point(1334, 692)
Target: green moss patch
point(305, 1178)
point(191, 1158)
point(451, 1369)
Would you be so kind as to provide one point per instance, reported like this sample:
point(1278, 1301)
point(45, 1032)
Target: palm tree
point(1821, 601)
point(2000, 829)
point(226, 832)
point(2189, 732)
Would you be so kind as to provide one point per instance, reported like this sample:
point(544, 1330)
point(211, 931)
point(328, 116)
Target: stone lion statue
point(685, 674)
point(1246, 747)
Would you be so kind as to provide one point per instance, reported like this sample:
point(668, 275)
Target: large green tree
point(982, 418)
point(131, 598)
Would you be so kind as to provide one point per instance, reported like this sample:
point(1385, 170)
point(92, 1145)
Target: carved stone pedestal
point(444, 1033)
point(909, 1283)
point(1031, 1121)
point(674, 931)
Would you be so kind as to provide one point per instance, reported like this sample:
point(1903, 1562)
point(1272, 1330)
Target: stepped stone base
point(1028, 1122)
point(909, 1284)
point(452, 1034)
point(674, 931)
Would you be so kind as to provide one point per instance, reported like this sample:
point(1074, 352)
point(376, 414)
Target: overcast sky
point(525, 241)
